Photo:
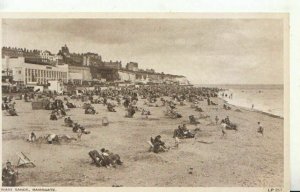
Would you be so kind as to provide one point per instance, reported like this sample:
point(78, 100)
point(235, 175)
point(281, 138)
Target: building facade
point(78, 74)
point(28, 73)
point(132, 66)
point(126, 76)
point(112, 64)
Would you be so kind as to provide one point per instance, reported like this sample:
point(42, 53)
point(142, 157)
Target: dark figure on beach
point(53, 116)
point(229, 124)
point(193, 120)
point(52, 138)
point(9, 175)
point(199, 109)
point(227, 121)
point(32, 137)
point(226, 107)
point(223, 132)
point(260, 128)
point(68, 122)
point(70, 105)
point(104, 101)
point(90, 110)
point(63, 112)
point(4, 106)
point(114, 159)
point(130, 111)
point(97, 158)
point(182, 132)
point(126, 103)
point(105, 158)
point(111, 107)
point(217, 119)
point(208, 101)
point(12, 112)
point(158, 145)
point(78, 128)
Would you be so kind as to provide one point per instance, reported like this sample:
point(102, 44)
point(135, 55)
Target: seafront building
point(26, 73)
point(23, 67)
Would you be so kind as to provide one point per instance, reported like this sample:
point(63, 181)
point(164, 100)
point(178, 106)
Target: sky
point(206, 51)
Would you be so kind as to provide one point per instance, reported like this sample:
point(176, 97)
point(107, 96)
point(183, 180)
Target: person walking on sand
point(260, 129)
point(217, 120)
point(223, 128)
point(252, 106)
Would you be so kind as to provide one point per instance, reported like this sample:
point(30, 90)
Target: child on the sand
point(260, 128)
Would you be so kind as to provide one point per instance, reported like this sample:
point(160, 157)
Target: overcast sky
point(208, 51)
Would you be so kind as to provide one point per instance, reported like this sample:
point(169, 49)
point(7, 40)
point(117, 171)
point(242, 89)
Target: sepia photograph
point(144, 101)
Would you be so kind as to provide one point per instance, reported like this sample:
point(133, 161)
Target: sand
point(242, 158)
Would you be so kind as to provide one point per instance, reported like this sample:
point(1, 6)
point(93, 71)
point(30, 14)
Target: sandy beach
point(242, 158)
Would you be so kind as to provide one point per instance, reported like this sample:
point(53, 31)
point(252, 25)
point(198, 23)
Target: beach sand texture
point(242, 158)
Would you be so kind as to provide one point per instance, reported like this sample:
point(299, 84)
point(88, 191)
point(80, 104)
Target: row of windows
point(42, 76)
point(45, 73)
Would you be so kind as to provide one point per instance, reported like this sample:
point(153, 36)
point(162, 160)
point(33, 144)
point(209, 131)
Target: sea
point(265, 98)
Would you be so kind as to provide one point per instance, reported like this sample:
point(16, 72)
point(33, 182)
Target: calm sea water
point(266, 98)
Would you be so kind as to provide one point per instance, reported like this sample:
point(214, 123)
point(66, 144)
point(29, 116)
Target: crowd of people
point(168, 96)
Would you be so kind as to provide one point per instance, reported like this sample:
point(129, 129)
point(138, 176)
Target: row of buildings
point(35, 67)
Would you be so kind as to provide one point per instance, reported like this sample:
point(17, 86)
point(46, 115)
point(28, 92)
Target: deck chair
point(96, 157)
point(24, 161)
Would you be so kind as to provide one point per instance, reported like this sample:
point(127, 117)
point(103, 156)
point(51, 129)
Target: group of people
point(227, 124)
point(76, 127)
point(129, 95)
point(8, 105)
point(105, 158)
point(182, 132)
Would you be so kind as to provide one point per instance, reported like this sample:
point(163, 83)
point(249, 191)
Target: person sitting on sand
point(78, 128)
point(52, 138)
point(199, 109)
point(111, 107)
point(113, 159)
point(182, 132)
point(90, 110)
point(32, 137)
point(130, 111)
point(53, 116)
point(260, 128)
point(158, 145)
point(12, 112)
point(70, 105)
point(226, 107)
point(227, 121)
point(68, 122)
